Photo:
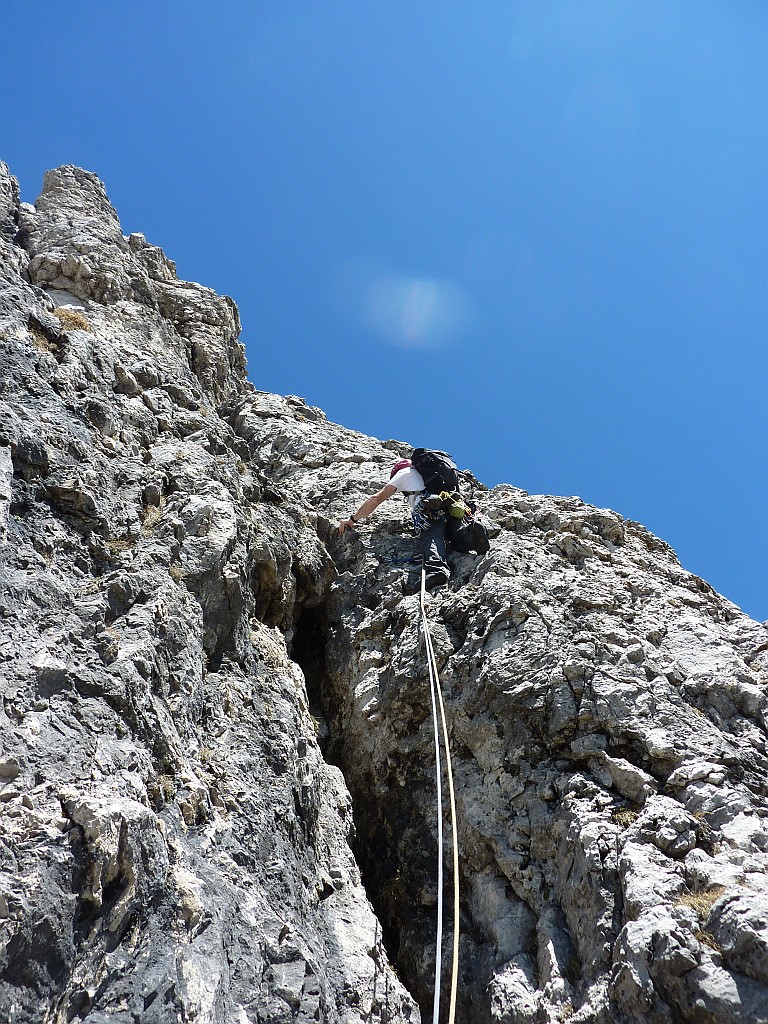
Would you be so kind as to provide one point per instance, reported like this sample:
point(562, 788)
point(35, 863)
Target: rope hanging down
point(437, 704)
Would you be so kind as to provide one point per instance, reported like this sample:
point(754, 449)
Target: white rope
point(439, 788)
point(434, 688)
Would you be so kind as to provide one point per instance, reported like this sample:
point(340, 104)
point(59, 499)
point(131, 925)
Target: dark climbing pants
point(447, 533)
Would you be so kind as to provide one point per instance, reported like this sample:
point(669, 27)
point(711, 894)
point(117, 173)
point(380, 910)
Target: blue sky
point(531, 233)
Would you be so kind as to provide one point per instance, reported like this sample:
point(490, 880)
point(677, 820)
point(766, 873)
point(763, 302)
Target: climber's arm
point(368, 506)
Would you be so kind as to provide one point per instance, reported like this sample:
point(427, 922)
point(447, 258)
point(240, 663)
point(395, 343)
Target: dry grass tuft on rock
point(625, 817)
point(71, 320)
point(702, 902)
point(118, 545)
point(152, 517)
point(708, 939)
point(40, 340)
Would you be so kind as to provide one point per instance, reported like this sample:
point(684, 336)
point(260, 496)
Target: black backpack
point(437, 469)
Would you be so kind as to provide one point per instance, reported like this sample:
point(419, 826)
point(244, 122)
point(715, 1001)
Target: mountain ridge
point(218, 779)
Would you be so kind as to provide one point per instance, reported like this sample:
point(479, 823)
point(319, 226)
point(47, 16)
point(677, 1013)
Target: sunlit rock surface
point(192, 656)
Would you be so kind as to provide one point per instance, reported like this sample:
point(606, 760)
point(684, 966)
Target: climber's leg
point(434, 554)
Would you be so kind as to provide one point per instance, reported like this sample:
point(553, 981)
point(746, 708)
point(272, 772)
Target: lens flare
point(415, 313)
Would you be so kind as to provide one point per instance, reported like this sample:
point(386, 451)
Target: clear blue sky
point(532, 233)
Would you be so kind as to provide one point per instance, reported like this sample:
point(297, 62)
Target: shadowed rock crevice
point(308, 650)
point(383, 833)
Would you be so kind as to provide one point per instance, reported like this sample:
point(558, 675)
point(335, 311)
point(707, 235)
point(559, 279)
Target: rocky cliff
point(217, 775)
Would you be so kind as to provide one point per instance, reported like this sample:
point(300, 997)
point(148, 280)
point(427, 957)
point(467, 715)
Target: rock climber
point(437, 532)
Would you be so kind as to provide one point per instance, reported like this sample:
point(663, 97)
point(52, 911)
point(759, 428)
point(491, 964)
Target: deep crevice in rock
point(374, 846)
point(308, 650)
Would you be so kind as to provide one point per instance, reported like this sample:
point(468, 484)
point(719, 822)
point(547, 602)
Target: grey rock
point(217, 794)
point(9, 204)
point(6, 480)
point(182, 859)
point(739, 923)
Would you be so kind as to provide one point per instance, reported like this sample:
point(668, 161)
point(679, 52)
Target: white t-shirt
point(410, 481)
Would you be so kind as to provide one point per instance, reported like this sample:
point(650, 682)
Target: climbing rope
point(437, 704)
point(439, 789)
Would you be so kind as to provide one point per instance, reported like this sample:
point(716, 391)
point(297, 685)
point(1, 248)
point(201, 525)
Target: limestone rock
point(217, 787)
point(173, 845)
point(9, 204)
point(739, 923)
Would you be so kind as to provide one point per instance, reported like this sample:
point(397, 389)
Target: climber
point(437, 531)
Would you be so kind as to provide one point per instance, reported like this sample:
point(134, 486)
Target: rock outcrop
point(216, 773)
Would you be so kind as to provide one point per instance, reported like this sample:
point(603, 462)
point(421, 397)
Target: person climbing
point(438, 529)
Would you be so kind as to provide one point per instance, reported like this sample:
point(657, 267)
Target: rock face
point(217, 798)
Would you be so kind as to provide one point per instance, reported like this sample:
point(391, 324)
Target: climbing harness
point(437, 704)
